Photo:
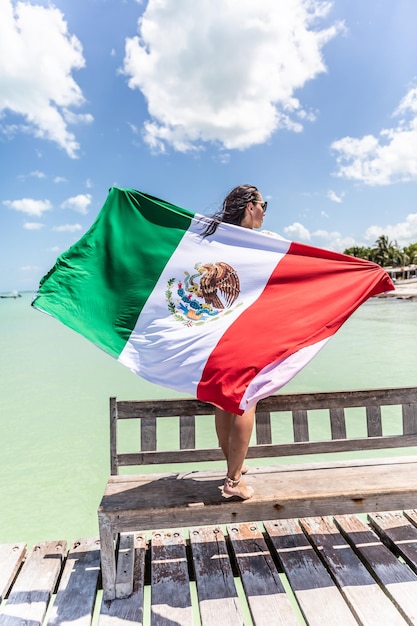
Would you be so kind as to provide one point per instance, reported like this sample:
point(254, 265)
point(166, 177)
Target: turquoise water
point(55, 387)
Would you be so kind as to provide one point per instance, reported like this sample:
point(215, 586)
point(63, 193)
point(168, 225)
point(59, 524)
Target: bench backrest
point(298, 405)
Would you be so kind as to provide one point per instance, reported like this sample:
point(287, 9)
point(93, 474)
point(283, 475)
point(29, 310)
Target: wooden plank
point(128, 611)
point(114, 465)
point(300, 425)
point(398, 533)
point(263, 427)
point(217, 595)
point(170, 585)
point(319, 599)
point(338, 423)
point(271, 450)
point(148, 433)
point(11, 557)
point(409, 416)
point(134, 502)
point(399, 581)
point(77, 589)
point(373, 421)
point(363, 594)
point(31, 593)
point(125, 565)
point(187, 432)
point(265, 593)
point(279, 402)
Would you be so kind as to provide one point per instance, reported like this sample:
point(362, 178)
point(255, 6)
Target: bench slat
point(280, 402)
point(337, 423)
point(409, 414)
point(270, 450)
point(320, 600)
point(217, 595)
point(300, 425)
point(170, 594)
point(263, 427)
point(148, 433)
point(363, 594)
point(264, 590)
point(187, 432)
point(373, 421)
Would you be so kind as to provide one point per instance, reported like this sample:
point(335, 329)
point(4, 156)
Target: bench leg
point(108, 559)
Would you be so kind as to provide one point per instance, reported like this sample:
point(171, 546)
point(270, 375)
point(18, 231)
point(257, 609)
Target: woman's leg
point(234, 433)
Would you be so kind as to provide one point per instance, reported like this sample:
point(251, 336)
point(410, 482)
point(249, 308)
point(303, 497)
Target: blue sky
point(313, 102)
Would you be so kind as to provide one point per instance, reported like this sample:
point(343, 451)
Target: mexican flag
point(229, 318)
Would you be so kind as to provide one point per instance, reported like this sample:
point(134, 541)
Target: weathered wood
point(363, 594)
point(263, 427)
point(300, 425)
point(373, 421)
point(11, 557)
point(397, 532)
point(125, 565)
point(338, 423)
point(128, 409)
point(187, 432)
point(161, 500)
point(170, 592)
point(409, 415)
point(399, 581)
point(267, 600)
point(30, 595)
point(148, 433)
point(129, 501)
point(76, 595)
point(217, 595)
point(320, 600)
point(270, 451)
point(128, 611)
point(114, 465)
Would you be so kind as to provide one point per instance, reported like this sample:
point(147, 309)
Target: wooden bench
point(365, 420)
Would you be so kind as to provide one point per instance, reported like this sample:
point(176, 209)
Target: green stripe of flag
point(100, 285)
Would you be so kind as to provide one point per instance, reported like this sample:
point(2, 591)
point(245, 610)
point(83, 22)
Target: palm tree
point(385, 251)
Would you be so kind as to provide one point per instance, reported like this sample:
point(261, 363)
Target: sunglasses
point(263, 204)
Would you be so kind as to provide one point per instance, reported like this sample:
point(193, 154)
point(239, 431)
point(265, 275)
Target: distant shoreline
point(404, 290)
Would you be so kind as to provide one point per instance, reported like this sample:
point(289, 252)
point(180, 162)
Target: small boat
point(12, 294)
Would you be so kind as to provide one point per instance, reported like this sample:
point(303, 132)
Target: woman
point(243, 206)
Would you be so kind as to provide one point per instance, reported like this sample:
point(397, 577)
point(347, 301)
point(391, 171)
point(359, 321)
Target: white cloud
point(34, 174)
point(60, 179)
point(33, 225)
point(403, 233)
point(29, 268)
point(297, 231)
point(332, 195)
point(78, 203)
point(225, 71)
point(37, 58)
point(388, 158)
point(333, 240)
point(67, 228)
point(35, 208)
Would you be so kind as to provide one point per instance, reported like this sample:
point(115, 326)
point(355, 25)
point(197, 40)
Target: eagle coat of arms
point(204, 295)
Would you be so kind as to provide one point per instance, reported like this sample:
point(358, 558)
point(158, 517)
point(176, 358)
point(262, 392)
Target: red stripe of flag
point(309, 295)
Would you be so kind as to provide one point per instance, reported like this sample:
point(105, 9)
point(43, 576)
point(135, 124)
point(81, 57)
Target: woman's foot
point(245, 469)
point(237, 488)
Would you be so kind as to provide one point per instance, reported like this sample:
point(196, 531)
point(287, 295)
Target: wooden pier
point(319, 571)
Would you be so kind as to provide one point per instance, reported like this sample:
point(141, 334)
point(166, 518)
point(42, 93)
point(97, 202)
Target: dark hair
point(233, 207)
